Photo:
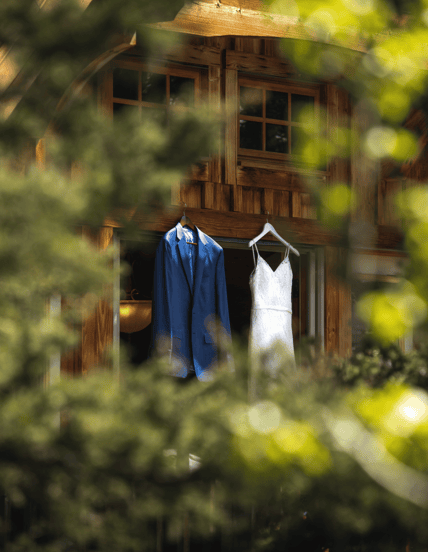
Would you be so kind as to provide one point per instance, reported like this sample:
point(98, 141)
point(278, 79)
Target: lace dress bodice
point(271, 337)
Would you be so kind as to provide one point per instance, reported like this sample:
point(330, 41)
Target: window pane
point(153, 88)
point(277, 138)
point(250, 101)
point(124, 109)
point(276, 105)
point(125, 84)
point(298, 102)
point(250, 135)
point(181, 91)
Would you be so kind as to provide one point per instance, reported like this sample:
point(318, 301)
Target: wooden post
point(338, 307)
point(365, 174)
point(214, 92)
point(231, 138)
point(97, 330)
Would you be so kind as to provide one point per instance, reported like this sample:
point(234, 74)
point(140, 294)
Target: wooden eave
point(217, 19)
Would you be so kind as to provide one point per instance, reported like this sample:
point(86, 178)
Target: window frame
point(275, 85)
point(170, 69)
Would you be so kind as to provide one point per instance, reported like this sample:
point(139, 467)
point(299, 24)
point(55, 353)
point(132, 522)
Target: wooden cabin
point(230, 52)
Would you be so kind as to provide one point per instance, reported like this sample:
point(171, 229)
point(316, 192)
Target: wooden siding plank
point(345, 316)
point(208, 195)
point(236, 198)
point(296, 204)
point(271, 47)
point(247, 199)
point(338, 305)
point(338, 116)
point(307, 209)
point(222, 198)
point(261, 64)
point(257, 200)
point(332, 314)
point(231, 104)
point(199, 171)
point(268, 201)
point(215, 107)
point(191, 194)
point(283, 203)
point(364, 172)
point(248, 44)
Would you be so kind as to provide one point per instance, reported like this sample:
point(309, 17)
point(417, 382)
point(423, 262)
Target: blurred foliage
point(338, 461)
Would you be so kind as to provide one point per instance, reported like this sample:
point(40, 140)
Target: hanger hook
point(267, 218)
point(184, 211)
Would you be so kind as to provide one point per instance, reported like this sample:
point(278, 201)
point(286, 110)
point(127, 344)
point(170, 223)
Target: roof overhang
point(218, 19)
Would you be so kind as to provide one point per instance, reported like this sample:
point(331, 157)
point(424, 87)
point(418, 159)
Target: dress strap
point(258, 254)
point(288, 253)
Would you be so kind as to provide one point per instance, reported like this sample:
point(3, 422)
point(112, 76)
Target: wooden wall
point(229, 194)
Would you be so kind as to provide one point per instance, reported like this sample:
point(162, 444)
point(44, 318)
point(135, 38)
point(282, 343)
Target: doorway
point(307, 288)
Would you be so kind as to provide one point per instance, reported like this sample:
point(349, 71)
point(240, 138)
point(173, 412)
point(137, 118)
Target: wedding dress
point(271, 336)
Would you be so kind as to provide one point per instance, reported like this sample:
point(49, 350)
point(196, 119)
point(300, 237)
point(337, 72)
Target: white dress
point(271, 337)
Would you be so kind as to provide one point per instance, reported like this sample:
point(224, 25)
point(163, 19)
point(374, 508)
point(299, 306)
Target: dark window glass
point(124, 109)
point(298, 102)
point(277, 138)
point(181, 91)
point(153, 88)
point(276, 105)
point(125, 84)
point(250, 135)
point(250, 101)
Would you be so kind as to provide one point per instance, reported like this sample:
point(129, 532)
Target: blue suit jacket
point(182, 315)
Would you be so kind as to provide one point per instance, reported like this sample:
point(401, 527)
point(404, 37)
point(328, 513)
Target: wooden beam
point(235, 225)
point(280, 165)
point(231, 224)
point(280, 179)
point(264, 65)
point(186, 53)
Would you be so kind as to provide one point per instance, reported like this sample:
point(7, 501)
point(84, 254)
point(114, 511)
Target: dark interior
point(238, 266)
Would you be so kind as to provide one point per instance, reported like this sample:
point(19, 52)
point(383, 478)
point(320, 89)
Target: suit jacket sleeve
point(161, 306)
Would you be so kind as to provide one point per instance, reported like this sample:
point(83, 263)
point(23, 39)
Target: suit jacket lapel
point(182, 247)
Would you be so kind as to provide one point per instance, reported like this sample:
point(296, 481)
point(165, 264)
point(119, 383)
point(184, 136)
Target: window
point(269, 117)
point(136, 88)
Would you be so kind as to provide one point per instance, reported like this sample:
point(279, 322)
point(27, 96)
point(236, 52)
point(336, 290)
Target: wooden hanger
point(269, 228)
point(185, 221)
